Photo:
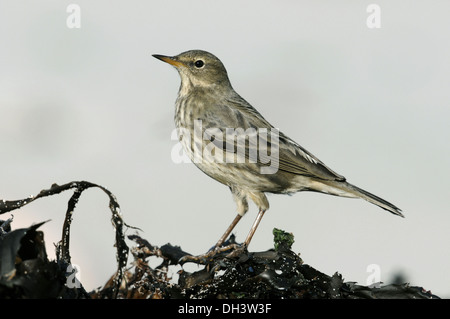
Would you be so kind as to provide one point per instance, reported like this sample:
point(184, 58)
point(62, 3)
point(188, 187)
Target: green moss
point(282, 239)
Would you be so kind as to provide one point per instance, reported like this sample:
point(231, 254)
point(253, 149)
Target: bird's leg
point(252, 231)
point(228, 231)
point(254, 226)
point(217, 248)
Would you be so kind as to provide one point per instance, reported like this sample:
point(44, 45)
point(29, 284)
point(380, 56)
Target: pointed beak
point(169, 59)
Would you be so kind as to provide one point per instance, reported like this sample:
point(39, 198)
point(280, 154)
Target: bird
point(230, 141)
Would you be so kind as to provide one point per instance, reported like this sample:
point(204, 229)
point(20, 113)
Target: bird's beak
point(169, 59)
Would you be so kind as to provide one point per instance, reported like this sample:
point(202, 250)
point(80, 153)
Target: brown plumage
point(250, 156)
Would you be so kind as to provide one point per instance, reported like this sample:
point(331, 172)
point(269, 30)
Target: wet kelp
point(14, 242)
point(278, 273)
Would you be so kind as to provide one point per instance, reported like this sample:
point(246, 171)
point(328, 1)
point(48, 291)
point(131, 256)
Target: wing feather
point(292, 158)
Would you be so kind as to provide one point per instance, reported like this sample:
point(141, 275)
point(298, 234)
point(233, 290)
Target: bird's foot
point(237, 251)
point(213, 253)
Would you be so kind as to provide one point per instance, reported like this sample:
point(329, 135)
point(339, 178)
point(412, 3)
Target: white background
point(373, 104)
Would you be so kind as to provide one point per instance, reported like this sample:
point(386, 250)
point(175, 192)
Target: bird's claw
point(237, 251)
point(210, 255)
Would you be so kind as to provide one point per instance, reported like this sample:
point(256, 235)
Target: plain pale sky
point(91, 103)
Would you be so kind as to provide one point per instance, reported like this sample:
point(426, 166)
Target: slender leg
point(217, 248)
point(239, 250)
point(254, 226)
point(228, 231)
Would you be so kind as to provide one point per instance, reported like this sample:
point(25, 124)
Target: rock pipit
point(230, 141)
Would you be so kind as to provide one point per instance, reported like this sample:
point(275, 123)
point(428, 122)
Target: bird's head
point(198, 68)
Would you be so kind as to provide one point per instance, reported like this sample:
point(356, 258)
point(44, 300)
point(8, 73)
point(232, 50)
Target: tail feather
point(358, 192)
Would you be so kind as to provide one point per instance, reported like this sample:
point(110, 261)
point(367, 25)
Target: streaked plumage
point(206, 95)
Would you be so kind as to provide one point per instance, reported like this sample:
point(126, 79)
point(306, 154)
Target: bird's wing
point(292, 158)
point(297, 160)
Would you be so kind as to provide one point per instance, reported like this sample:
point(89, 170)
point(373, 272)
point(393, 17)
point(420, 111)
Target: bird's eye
point(199, 63)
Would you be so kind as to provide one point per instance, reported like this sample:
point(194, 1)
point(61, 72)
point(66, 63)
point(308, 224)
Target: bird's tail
point(371, 198)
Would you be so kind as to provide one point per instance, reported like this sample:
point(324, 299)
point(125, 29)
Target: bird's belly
point(234, 174)
point(246, 176)
point(214, 163)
